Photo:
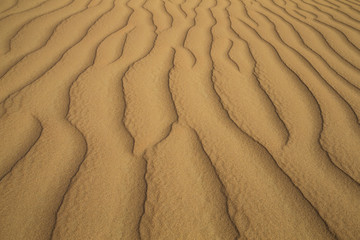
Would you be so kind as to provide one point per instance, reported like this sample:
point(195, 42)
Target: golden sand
point(179, 119)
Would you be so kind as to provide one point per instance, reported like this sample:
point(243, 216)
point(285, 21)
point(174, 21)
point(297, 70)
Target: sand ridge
point(179, 119)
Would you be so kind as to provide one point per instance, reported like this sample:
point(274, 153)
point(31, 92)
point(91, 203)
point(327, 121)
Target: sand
point(179, 119)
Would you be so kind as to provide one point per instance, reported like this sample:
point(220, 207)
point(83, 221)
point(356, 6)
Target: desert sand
point(179, 119)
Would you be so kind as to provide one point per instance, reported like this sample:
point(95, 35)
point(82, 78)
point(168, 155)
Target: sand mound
point(179, 119)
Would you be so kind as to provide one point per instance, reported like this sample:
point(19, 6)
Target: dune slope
point(179, 119)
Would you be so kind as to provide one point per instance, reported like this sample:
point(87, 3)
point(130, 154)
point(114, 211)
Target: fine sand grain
point(179, 119)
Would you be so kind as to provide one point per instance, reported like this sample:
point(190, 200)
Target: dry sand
point(179, 119)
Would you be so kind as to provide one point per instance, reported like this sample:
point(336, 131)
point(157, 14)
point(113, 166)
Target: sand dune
point(179, 119)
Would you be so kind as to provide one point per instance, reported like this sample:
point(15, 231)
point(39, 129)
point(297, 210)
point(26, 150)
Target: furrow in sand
point(267, 95)
point(81, 133)
point(22, 19)
point(152, 17)
point(346, 7)
point(235, 124)
point(229, 55)
point(204, 197)
point(63, 57)
point(35, 20)
point(188, 31)
point(129, 66)
point(82, 228)
point(323, 38)
point(328, 72)
point(343, 6)
point(54, 172)
point(343, 32)
point(11, 5)
point(330, 46)
point(123, 46)
point(172, 101)
point(336, 12)
point(124, 112)
point(352, 3)
point(96, 50)
point(280, 168)
point(318, 55)
point(348, 169)
point(141, 219)
point(330, 230)
point(335, 20)
point(352, 42)
point(143, 158)
point(18, 59)
point(3, 175)
point(155, 146)
point(129, 98)
point(243, 6)
point(300, 14)
point(329, 4)
point(169, 85)
point(8, 37)
point(88, 131)
point(167, 13)
point(255, 73)
point(8, 76)
point(334, 15)
point(23, 10)
point(155, 106)
point(217, 146)
point(71, 6)
point(343, 3)
point(182, 9)
point(148, 52)
point(309, 64)
point(344, 175)
point(223, 188)
point(314, 97)
point(70, 180)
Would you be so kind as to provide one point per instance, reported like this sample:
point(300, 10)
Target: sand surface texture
point(179, 119)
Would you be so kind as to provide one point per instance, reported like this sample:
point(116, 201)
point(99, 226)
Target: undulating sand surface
point(179, 119)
